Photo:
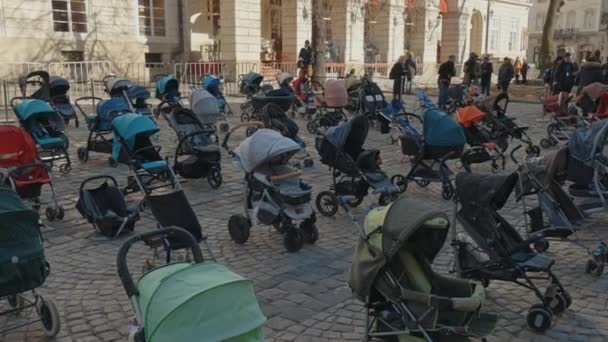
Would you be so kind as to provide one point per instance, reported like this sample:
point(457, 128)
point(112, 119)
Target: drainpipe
point(181, 32)
point(488, 28)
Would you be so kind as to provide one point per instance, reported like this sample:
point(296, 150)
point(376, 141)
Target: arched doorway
point(476, 32)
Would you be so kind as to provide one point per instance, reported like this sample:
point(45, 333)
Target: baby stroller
point(494, 250)
point(564, 119)
point(442, 139)
point(274, 118)
point(395, 117)
point(198, 153)
point(274, 193)
point(212, 84)
point(38, 118)
point(138, 96)
point(404, 298)
point(371, 99)
point(331, 107)
point(105, 208)
point(305, 96)
point(258, 96)
point(354, 169)
point(24, 266)
point(167, 89)
point(58, 94)
point(99, 125)
point(190, 301)
point(589, 100)
point(25, 173)
point(461, 95)
point(203, 103)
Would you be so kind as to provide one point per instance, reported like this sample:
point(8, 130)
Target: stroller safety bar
point(19, 98)
point(286, 176)
point(88, 180)
point(121, 260)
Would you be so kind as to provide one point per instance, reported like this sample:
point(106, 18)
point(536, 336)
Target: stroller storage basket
point(410, 145)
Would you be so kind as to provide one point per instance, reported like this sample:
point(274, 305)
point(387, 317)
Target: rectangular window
point(494, 33)
point(69, 16)
point(513, 33)
point(589, 19)
point(72, 56)
point(152, 18)
point(152, 58)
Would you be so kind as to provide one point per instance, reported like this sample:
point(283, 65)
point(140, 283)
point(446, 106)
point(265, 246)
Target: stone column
point(355, 32)
point(455, 37)
point(241, 30)
point(422, 37)
point(296, 27)
point(388, 31)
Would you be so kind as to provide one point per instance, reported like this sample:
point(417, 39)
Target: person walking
point(564, 74)
point(590, 72)
point(471, 69)
point(306, 59)
point(486, 75)
point(524, 72)
point(410, 69)
point(517, 69)
point(447, 70)
point(397, 74)
point(505, 74)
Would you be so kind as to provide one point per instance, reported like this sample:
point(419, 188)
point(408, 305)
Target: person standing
point(471, 68)
point(486, 75)
point(505, 74)
point(605, 72)
point(397, 74)
point(447, 70)
point(590, 72)
point(563, 75)
point(524, 72)
point(410, 69)
point(306, 59)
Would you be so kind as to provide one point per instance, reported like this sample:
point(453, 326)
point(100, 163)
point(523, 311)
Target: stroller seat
point(155, 166)
point(532, 262)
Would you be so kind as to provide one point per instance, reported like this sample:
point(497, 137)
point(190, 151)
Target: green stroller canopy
point(196, 302)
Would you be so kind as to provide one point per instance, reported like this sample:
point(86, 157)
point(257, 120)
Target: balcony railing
point(565, 33)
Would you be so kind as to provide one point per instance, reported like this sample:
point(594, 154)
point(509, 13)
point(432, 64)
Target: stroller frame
point(95, 137)
point(45, 308)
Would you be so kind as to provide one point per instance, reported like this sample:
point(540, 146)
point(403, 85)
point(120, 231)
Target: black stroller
point(494, 250)
point(52, 90)
point(372, 102)
point(354, 169)
point(58, 94)
point(105, 208)
point(258, 96)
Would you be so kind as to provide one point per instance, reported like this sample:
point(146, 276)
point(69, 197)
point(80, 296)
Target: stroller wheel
point(16, 301)
point(594, 267)
point(308, 162)
point(387, 198)
point(60, 213)
point(546, 143)
point(65, 168)
point(539, 318)
point(327, 203)
point(249, 132)
point(400, 182)
point(293, 240)
point(313, 126)
point(448, 192)
point(541, 245)
point(423, 183)
point(224, 127)
point(310, 232)
point(238, 228)
point(354, 202)
point(215, 178)
point(83, 154)
point(244, 117)
point(557, 303)
point(51, 214)
point(49, 316)
point(533, 151)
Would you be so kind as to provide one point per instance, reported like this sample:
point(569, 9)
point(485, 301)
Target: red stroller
point(564, 119)
point(24, 171)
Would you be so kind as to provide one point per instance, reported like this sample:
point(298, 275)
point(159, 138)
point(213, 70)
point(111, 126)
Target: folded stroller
point(331, 106)
point(564, 119)
point(274, 118)
point(203, 103)
point(38, 118)
point(442, 138)
point(99, 125)
point(212, 84)
point(274, 193)
point(404, 298)
point(198, 152)
point(24, 266)
point(494, 250)
point(58, 94)
point(25, 173)
point(190, 301)
point(354, 169)
point(105, 208)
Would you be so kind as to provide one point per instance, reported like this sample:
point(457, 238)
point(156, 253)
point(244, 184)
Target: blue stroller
point(167, 91)
point(99, 125)
point(52, 90)
point(58, 90)
point(395, 117)
point(39, 119)
point(138, 96)
point(212, 83)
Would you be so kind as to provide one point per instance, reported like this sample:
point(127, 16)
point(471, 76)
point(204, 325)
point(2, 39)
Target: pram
point(274, 193)
point(99, 125)
point(564, 119)
point(590, 98)
point(494, 250)
point(395, 117)
point(167, 91)
point(186, 301)
point(371, 99)
point(38, 118)
point(24, 266)
point(138, 96)
point(330, 106)
point(105, 208)
point(25, 173)
point(52, 90)
point(404, 298)
point(462, 95)
point(212, 84)
point(305, 96)
point(198, 152)
point(203, 103)
point(442, 139)
point(354, 169)
point(258, 97)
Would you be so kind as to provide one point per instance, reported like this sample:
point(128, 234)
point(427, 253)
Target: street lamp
point(489, 14)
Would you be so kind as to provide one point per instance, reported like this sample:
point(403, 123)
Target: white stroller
point(274, 193)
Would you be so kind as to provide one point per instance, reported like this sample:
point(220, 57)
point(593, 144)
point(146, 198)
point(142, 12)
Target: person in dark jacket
point(471, 69)
point(505, 74)
point(410, 69)
point(524, 72)
point(605, 72)
point(306, 59)
point(590, 72)
point(447, 70)
point(397, 74)
point(564, 74)
point(486, 75)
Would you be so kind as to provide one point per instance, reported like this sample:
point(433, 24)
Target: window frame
point(70, 14)
point(494, 34)
point(149, 5)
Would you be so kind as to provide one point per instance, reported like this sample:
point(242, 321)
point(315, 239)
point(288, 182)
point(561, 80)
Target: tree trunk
point(546, 46)
point(317, 40)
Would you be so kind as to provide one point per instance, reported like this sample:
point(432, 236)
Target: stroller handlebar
point(513, 154)
point(257, 124)
point(90, 179)
point(121, 260)
point(286, 176)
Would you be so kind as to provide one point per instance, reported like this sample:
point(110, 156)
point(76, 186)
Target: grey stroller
point(205, 106)
point(274, 193)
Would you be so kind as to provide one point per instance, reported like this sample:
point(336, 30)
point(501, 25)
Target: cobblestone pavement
point(304, 295)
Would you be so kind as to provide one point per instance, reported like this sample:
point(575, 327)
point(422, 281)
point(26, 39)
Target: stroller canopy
point(595, 90)
point(108, 109)
point(263, 145)
point(43, 75)
point(205, 106)
point(129, 126)
point(480, 192)
point(404, 224)
point(211, 83)
point(352, 133)
point(167, 86)
point(469, 115)
point(589, 140)
point(117, 84)
point(31, 108)
point(183, 302)
point(439, 128)
point(274, 117)
point(252, 78)
point(17, 147)
point(58, 86)
point(137, 92)
point(284, 79)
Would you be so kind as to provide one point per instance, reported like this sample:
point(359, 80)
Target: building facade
point(578, 29)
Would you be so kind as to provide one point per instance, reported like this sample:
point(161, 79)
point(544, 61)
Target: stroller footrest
point(533, 262)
